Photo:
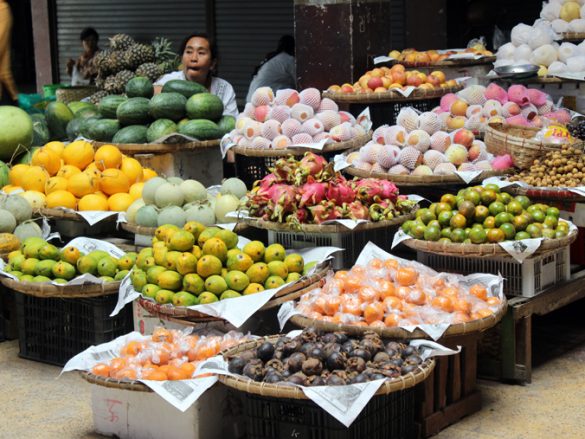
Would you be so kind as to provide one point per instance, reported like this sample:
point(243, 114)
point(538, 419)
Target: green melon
point(146, 216)
point(131, 134)
point(135, 111)
point(204, 106)
point(160, 128)
point(139, 87)
point(58, 116)
point(168, 106)
point(16, 128)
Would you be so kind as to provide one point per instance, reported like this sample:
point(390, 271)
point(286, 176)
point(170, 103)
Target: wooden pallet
point(513, 359)
point(450, 392)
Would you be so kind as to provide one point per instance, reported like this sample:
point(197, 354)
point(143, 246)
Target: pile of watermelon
point(139, 116)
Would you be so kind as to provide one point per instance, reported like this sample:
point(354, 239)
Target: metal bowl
point(517, 72)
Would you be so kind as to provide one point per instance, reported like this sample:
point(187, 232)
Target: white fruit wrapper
point(501, 182)
point(91, 217)
point(239, 309)
point(180, 394)
point(85, 245)
point(383, 59)
point(466, 55)
point(519, 250)
point(572, 76)
point(467, 176)
point(344, 403)
point(46, 231)
point(494, 285)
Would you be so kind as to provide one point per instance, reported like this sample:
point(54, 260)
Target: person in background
point(199, 61)
point(6, 79)
point(277, 71)
point(82, 71)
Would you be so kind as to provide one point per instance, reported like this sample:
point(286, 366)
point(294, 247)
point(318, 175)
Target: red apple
point(375, 82)
point(463, 137)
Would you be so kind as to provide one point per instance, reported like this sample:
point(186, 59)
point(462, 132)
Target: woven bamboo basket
point(455, 330)
point(547, 193)
point(61, 214)
point(457, 62)
point(46, 290)
point(390, 95)
point(160, 148)
point(72, 94)
point(292, 392)
point(149, 231)
point(484, 250)
point(112, 383)
point(357, 142)
point(422, 180)
point(324, 228)
point(573, 36)
point(286, 294)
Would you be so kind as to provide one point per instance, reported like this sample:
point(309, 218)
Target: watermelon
point(16, 129)
point(73, 128)
point(168, 106)
point(160, 128)
point(41, 133)
point(84, 113)
point(4, 180)
point(135, 111)
point(131, 134)
point(58, 116)
point(186, 88)
point(109, 104)
point(226, 123)
point(103, 130)
point(76, 106)
point(204, 106)
point(139, 87)
point(201, 129)
point(85, 127)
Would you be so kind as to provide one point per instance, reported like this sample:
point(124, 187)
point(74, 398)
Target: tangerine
point(78, 153)
point(478, 291)
point(126, 373)
point(117, 364)
point(461, 306)
point(482, 313)
point(373, 312)
point(392, 302)
point(154, 375)
point(492, 301)
point(350, 304)
point(101, 369)
point(331, 305)
point(368, 294)
point(132, 349)
point(392, 320)
point(107, 156)
point(188, 369)
point(406, 276)
point(417, 297)
point(387, 289)
point(442, 303)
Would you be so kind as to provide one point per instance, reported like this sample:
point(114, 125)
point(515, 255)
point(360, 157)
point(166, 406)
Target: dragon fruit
point(284, 198)
point(356, 211)
point(371, 190)
point(325, 211)
point(310, 164)
point(339, 191)
point(313, 193)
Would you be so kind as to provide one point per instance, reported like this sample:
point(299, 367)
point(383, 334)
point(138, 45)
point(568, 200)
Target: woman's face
point(197, 60)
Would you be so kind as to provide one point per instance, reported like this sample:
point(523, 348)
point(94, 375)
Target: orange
point(387, 289)
point(78, 153)
point(373, 312)
point(148, 174)
point(351, 305)
point(161, 356)
point(368, 294)
point(188, 369)
point(331, 305)
point(448, 292)
point(117, 364)
point(101, 369)
point(131, 349)
point(174, 373)
point(392, 319)
point(393, 302)
point(61, 198)
point(406, 276)
point(417, 297)
point(82, 184)
point(461, 306)
point(17, 173)
point(93, 202)
point(35, 179)
point(136, 190)
point(161, 334)
point(442, 303)
point(127, 373)
point(114, 181)
point(120, 202)
point(133, 169)
point(376, 264)
point(478, 291)
point(56, 146)
point(107, 156)
point(155, 375)
point(68, 171)
point(55, 184)
point(46, 159)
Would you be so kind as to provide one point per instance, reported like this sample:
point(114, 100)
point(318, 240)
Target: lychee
point(456, 154)
point(262, 96)
point(311, 97)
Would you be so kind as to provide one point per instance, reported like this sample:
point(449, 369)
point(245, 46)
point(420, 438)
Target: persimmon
point(442, 303)
point(406, 276)
point(373, 312)
point(331, 305)
point(101, 369)
point(478, 291)
point(368, 294)
point(391, 320)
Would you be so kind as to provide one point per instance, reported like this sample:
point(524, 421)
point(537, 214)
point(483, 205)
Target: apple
point(375, 82)
point(459, 108)
point(464, 137)
point(456, 122)
point(347, 88)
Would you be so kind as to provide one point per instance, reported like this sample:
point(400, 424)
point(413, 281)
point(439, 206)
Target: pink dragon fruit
point(371, 190)
point(301, 216)
point(312, 193)
point(340, 192)
point(284, 198)
point(518, 93)
point(357, 211)
point(324, 211)
point(537, 97)
point(502, 162)
point(285, 169)
point(310, 164)
point(494, 91)
point(519, 120)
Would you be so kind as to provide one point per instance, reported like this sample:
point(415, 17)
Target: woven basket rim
point(329, 147)
point(283, 391)
point(160, 148)
point(461, 62)
point(484, 250)
point(454, 330)
point(56, 213)
point(555, 193)
point(574, 36)
point(113, 383)
point(389, 96)
point(47, 290)
point(149, 231)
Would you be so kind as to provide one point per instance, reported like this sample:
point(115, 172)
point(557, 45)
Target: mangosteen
point(361, 378)
point(309, 335)
point(408, 368)
point(413, 359)
point(396, 361)
point(295, 361)
point(298, 378)
point(236, 365)
point(291, 347)
point(341, 337)
point(312, 366)
point(316, 380)
point(265, 351)
point(278, 355)
point(275, 364)
point(408, 351)
point(388, 365)
point(381, 357)
point(377, 376)
point(286, 373)
point(394, 346)
point(306, 349)
point(361, 353)
point(348, 346)
point(329, 338)
point(392, 353)
point(357, 364)
point(337, 360)
point(273, 378)
point(329, 348)
point(335, 380)
point(254, 371)
point(317, 353)
point(248, 355)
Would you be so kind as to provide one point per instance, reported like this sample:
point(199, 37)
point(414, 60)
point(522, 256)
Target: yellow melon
point(82, 184)
point(61, 199)
point(36, 199)
point(67, 171)
point(56, 146)
point(55, 184)
point(17, 173)
point(79, 153)
point(93, 170)
point(148, 174)
point(47, 159)
point(93, 202)
point(114, 181)
point(120, 202)
point(10, 188)
point(133, 169)
point(108, 156)
point(35, 179)
point(136, 190)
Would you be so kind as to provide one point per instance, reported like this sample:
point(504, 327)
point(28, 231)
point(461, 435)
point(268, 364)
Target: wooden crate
point(450, 392)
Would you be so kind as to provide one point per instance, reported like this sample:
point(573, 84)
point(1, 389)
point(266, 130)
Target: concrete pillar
point(41, 17)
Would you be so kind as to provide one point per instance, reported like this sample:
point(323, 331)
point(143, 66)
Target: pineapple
point(150, 70)
point(121, 42)
point(139, 54)
point(122, 79)
point(163, 50)
point(116, 61)
point(97, 96)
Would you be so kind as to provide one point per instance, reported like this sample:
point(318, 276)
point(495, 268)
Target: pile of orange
point(77, 177)
point(386, 294)
point(166, 355)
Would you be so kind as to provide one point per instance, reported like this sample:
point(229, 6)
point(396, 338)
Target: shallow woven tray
point(389, 96)
point(292, 392)
point(483, 250)
point(70, 216)
point(458, 62)
point(160, 148)
point(112, 383)
point(77, 93)
point(421, 180)
point(573, 36)
point(46, 290)
point(286, 294)
point(454, 330)
point(330, 147)
point(546, 193)
point(325, 228)
point(149, 231)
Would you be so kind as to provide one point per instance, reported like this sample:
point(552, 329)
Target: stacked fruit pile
point(331, 359)
point(198, 265)
point(125, 58)
point(310, 191)
point(383, 79)
point(15, 217)
point(386, 293)
point(414, 58)
point(39, 261)
point(176, 201)
point(76, 177)
point(480, 215)
point(166, 355)
point(475, 106)
point(291, 118)
point(418, 146)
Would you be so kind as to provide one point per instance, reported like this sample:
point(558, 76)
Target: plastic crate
point(526, 279)
point(386, 113)
point(352, 241)
point(33, 103)
point(386, 416)
point(54, 330)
